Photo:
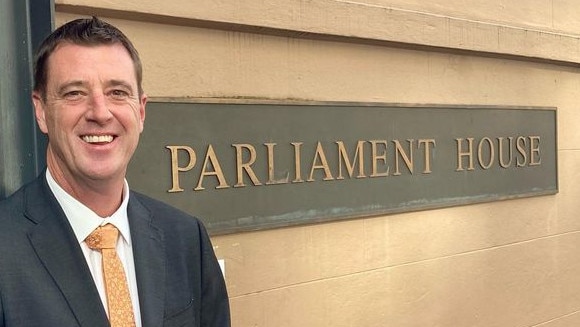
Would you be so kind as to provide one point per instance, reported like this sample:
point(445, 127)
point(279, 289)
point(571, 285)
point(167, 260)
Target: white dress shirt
point(83, 221)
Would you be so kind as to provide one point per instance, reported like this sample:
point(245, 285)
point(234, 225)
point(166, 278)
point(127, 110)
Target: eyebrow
point(66, 85)
point(117, 82)
point(113, 82)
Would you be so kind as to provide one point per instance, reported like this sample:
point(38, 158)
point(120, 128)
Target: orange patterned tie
point(104, 239)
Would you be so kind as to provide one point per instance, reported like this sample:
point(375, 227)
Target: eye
point(73, 95)
point(119, 94)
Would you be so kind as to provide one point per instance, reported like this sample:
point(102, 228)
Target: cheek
point(56, 125)
point(51, 123)
point(60, 127)
point(138, 117)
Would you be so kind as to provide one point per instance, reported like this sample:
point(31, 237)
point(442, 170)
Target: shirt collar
point(84, 220)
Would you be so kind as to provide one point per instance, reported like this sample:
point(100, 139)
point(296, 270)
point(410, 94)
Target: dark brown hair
point(86, 32)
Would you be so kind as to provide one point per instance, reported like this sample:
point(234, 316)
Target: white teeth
point(98, 138)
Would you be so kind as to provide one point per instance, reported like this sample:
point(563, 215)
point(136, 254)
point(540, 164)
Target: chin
point(104, 174)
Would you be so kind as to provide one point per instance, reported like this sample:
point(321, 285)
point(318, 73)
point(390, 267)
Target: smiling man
point(77, 247)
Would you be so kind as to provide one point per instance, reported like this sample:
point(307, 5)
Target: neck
point(102, 197)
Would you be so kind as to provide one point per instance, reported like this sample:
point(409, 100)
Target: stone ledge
point(346, 22)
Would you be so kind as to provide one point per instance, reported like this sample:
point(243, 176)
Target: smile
point(97, 138)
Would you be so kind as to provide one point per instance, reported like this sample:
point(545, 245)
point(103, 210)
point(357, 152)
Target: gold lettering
point(297, 163)
point(480, 153)
point(358, 157)
point(535, 158)
point(400, 152)
point(427, 142)
point(175, 169)
point(375, 156)
point(461, 154)
point(323, 164)
point(271, 170)
point(521, 143)
point(245, 166)
point(211, 157)
point(510, 151)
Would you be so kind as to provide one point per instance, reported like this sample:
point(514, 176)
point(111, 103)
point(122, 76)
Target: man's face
point(93, 113)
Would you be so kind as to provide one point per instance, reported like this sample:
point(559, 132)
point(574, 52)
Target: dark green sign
point(253, 166)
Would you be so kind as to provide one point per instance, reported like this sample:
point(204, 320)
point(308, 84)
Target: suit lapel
point(149, 255)
point(59, 251)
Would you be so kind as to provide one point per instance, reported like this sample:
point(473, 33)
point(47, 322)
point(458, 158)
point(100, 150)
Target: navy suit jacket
point(45, 280)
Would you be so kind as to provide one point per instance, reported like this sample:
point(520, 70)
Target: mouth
point(98, 139)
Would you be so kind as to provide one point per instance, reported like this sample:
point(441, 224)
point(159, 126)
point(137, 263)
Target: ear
point(142, 104)
point(39, 111)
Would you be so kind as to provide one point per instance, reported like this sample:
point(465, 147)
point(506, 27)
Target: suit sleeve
point(1, 311)
point(215, 308)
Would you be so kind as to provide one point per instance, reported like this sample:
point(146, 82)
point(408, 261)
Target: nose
point(98, 110)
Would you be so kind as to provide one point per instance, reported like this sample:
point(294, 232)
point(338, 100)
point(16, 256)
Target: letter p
point(175, 168)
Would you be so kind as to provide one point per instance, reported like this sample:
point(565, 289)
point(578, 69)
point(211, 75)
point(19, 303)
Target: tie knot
point(104, 237)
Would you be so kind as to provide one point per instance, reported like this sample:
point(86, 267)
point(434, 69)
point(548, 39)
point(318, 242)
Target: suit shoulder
point(16, 211)
point(12, 204)
point(181, 226)
point(32, 194)
point(163, 210)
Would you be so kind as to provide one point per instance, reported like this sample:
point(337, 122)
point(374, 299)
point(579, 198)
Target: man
point(89, 101)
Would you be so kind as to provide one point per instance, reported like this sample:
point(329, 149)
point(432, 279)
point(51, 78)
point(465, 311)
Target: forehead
point(85, 61)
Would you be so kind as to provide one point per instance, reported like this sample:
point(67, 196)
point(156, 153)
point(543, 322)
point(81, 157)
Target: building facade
point(505, 263)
